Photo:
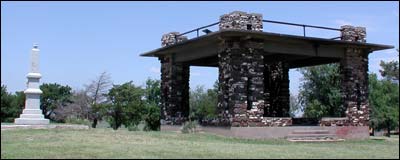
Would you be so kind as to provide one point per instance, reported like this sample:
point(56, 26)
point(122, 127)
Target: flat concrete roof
point(298, 50)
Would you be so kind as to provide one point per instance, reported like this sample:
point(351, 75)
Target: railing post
point(304, 30)
point(197, 32)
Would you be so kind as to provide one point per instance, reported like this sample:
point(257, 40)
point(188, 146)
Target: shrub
point(152, 118)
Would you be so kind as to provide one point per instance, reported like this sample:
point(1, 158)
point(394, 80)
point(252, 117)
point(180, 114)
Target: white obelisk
point(32, 114)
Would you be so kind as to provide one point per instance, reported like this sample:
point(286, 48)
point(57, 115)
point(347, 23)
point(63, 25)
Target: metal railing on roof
point(267, 21)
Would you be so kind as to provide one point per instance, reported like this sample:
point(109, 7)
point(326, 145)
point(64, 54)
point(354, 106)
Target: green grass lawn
point(106, 143)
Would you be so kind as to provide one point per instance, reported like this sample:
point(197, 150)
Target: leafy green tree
point(384, 103)
point(384, 97)
point(54, 96)
point(153, 91)
point(203, 104)
point(319, 93)
point(126, 107)
point(6, 100)
point(153, 105)
point(390, 70)
point(11, 105)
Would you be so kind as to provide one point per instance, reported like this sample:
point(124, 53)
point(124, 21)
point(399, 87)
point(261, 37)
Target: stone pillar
point(240, 100)
point(224, 112)
point(354, 77)
point(174, 85)
point(276, 79)
point(241, 79)
point(32, 114)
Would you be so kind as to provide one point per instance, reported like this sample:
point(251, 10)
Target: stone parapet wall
point(171, 38)
point(354, 34)
point(325, 121)
point(241, 21)
point(259, 121)
point(277, 121)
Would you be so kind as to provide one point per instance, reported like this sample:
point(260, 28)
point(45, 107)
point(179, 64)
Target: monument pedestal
point(31, 121)
point(32, 114)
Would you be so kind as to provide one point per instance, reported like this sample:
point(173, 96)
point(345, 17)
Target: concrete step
point(310, 132)
point(316, 140)
point(309, 135)
point(312, 136)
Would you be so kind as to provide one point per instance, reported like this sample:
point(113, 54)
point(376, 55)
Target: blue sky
point(79, 40)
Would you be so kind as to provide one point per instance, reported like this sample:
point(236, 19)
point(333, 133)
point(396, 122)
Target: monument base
point(31, 121)
point(31, 117)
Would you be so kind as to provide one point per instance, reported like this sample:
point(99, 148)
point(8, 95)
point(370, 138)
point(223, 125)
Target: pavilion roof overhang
point(299, 50)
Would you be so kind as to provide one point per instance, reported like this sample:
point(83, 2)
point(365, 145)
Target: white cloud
point(342, 22)
point(155, 70)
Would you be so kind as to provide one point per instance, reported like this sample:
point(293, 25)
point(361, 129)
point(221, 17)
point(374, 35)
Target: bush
point(152, 118)
point(126, 107)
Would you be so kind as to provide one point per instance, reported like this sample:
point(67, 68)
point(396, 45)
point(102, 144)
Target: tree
point(11, 105)
point(54, 96)
point(319, 93)
point(384, 97)
point(6, 100)
point(126, 105)
point(153, 91)
point(203, 104)
point(384, 103)
point(390, 70)
point(97, 91)
point(294, 106)
point(153, 105)
point(78, 108)
point(18, 102)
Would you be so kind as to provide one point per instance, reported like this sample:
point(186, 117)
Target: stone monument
point(32, 114)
